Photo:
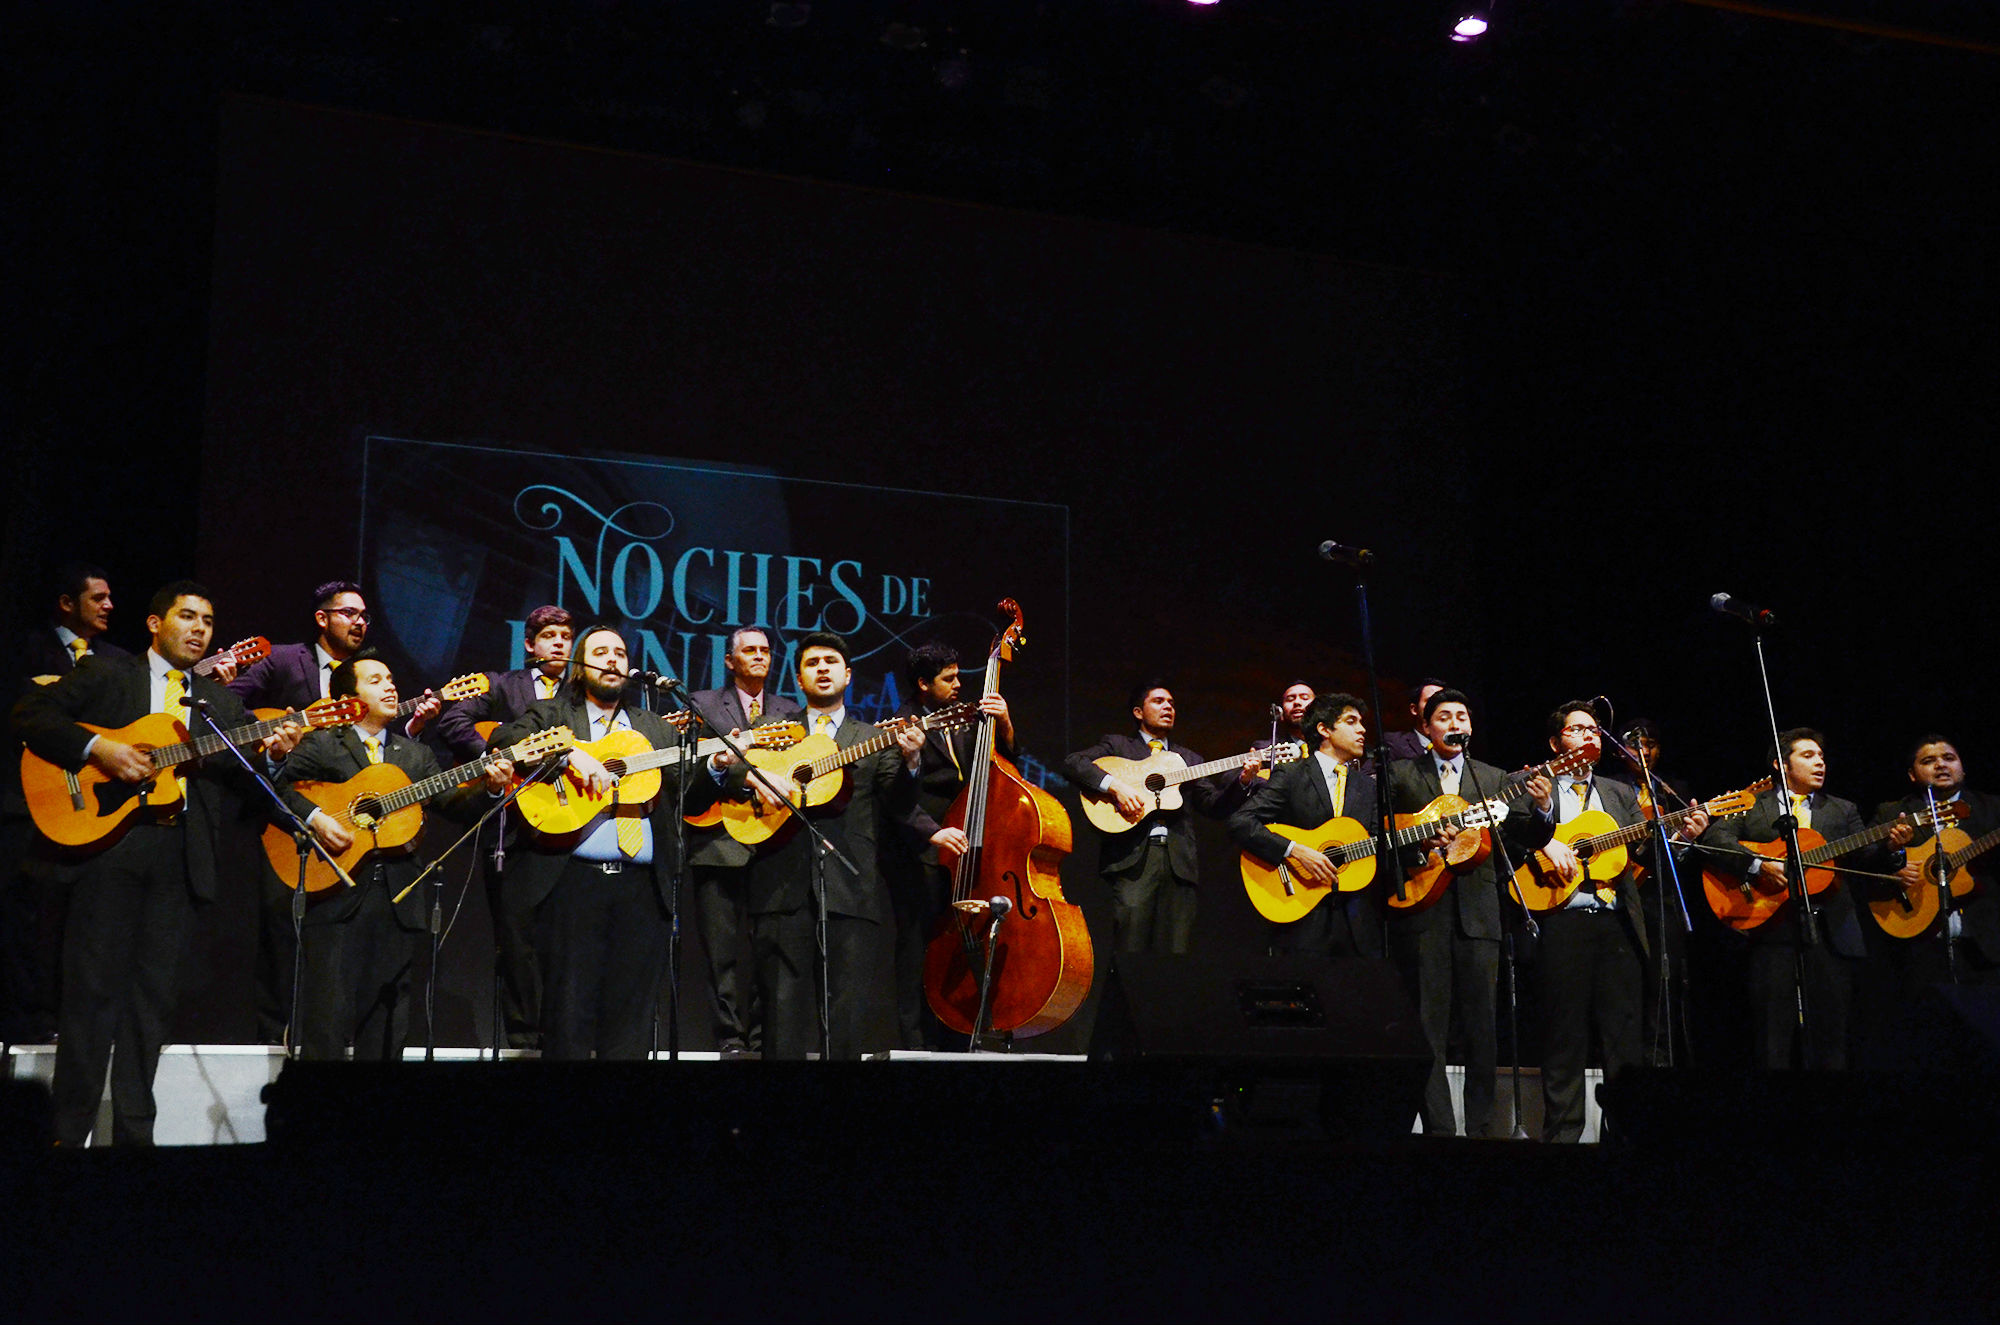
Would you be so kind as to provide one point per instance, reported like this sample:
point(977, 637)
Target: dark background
point(1662, 299)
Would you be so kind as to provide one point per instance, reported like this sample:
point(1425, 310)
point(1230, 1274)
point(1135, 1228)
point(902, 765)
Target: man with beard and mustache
point(599, 898)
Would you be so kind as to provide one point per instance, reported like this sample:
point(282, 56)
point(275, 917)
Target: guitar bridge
point(1285, 877)
point(75, 785)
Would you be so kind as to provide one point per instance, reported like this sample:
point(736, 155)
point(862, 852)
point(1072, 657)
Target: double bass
point(1016, 836)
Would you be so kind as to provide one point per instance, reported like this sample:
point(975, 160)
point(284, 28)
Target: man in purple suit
point(293, 676)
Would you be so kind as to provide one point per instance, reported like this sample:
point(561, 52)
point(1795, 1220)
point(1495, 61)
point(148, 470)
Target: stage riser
point(210, 1094)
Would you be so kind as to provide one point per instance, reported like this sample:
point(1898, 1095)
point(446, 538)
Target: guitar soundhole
point(366, 811)
point(1155, 783)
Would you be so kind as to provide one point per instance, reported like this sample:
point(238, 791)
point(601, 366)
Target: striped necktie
point(175, 706)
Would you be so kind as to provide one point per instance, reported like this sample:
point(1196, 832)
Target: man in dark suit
point(294, 676)
point(880, 799)
point(35, 880)
point(361, 945)
point(599, 898)
point(719, 862)
point(1288, 717)
point(1305, 794)
point(1960, 946)
point(134, 900)
point(1151, 867)
point(920, 887)
point(1590, 969)
point(1413, 744)
point(1783, 969)
point(548, 635)
point(1449, 952)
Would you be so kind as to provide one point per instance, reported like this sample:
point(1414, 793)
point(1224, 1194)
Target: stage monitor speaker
point(1283, 1048)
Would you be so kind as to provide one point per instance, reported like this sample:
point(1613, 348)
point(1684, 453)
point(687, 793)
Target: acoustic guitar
point(1744, 904)
point(459, 687)
point(1160, 776)
point(89, 809)
point(385, 809)
point(813, 765)
point(1281, 894)
point(242, 653)
point(1472, 842)
point(564, 806)
point(1908, 913)
point(1603, 848)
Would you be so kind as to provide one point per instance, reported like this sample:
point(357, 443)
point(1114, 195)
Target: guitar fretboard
point(200, 747)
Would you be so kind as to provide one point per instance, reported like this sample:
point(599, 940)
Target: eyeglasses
point(1579, 728)
point(361, 614)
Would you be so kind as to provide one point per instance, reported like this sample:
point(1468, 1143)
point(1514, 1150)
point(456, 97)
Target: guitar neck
point(418, 792)
point(647, 760)
point(841, 759)
point(1631, 833)
point(1213, 766)
point(1852, 842)
point(200, 747)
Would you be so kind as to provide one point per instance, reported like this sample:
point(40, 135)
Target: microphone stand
point(997, 907)
point(1788, 829)
point(1669, 869)
point(822, 849)
point(1385, 850)
point(547, 771)
point(1519, 1133)
point(1947, 904)
point(309, 845)
point(674, 887)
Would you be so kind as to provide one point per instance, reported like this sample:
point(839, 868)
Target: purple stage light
point(1470, 28)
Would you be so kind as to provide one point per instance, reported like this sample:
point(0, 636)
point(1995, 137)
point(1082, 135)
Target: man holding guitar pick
point(135, 899)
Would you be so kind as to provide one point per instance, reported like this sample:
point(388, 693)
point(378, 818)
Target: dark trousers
point(517, 970)
point(785, 955)
point(1151, 910)
point(358, 977)
point(920, 894)
point(1774, 989)
point(1324, 931)
point(273, 965)
point(1664, 1022)
point(129, 918)
point(1589, 978)
point(725, 937)
point(1452, 979)
point(32, 906)
point(603, 955)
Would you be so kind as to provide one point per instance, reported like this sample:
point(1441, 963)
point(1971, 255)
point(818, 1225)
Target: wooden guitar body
point(1043, 962)
point(1543, 889)
point(394, 834)
point(1282, 894)
point(750, 821)
point(91, 809)
point(1909, 915)
point(1150, 775)
point(1745, 906)
point(562, 807)
point(1425, 885)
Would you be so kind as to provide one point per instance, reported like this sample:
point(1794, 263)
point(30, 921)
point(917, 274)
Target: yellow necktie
point(374, 745)
point(1155, 744)
point(77, 648)
point(823, 724)
point(547, 685)
point(1339, 790)
point(1582, 790)
point(756, 707)
point(1448, 780)
point(631, 829)
point(1802, 811)
point(176, 705)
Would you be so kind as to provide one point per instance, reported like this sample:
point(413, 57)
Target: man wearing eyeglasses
point(1590, 973)
point(294, 676)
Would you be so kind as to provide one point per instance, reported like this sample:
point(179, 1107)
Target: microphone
point(1742, 611)
point(1346, 556)
point(1600, 708)
point(1457, 740)
point(645, 677)
point(1000, 906)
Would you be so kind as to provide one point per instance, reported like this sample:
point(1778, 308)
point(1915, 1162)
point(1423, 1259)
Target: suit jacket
point(1296, 795)
point(44, 654)
point(116, 691)
point(509, 698)
point(1980, 909)
point(722, 710)
point(880, 799)
point(1405, 745)
point(1472, 901)
point(535, 865)
point(335, 754)
point(1832, 818)
point(1122, 853)
point(287, 679)
point(941, 772)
